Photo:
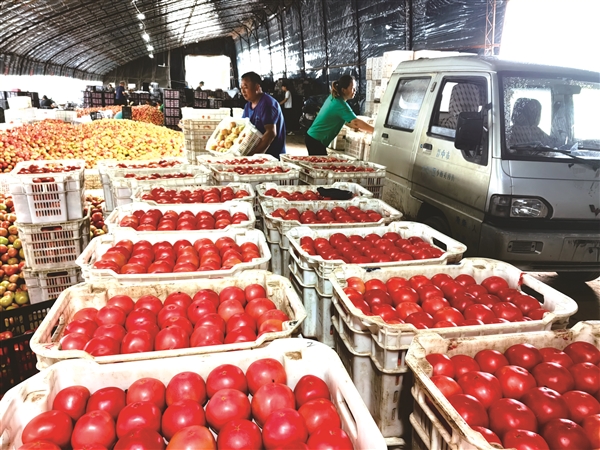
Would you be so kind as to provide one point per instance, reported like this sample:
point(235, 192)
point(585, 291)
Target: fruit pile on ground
point(122, 140)
point(13, 291)
point(142, 113)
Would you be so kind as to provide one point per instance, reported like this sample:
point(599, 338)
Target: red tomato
point(179, 415)
point(122, 301)
point(39, 445)
point(72, 400)
point(171, 338)
point(94, 428)
point(328, 438)
point(186, 386)
point(240, 320)
point(310, 387)
point(526, 303)
point(205, 335)
point(524, 440)
point(270, 398)
point(465, 280)
point(193, 438)
point(509, 414)
point(446, 385)
point(254, 291)
point(546, 404)
point(494, 284)
point(109, 399)
point(581, 404)
point(85, 313)
point(172, 310)
point(239, 434)
point(83, 326)
point(178, 298)
point(138, 317)
point(508, 311)
point(102, 346)
point(481, 385)
point(137, 341)
point(234, 293)
point(464, 364)
point(226, 376)
point(240, 334)
point(230, 308)
point(117, 332)
point(490, 360)
point(523, 355)
point(515, 381)
point(488, 434)
point(479, 312)
point(226, 405)
point(147, 390)
point(141, 439)
point(318, 413)
point(138, 415)
point(470, 409)
point(448, 314)
point(74, 341)
point(264, 371)
point(214, 320)
point(149, 302)
point(111, 314)
point(553, 376)
point(564, 434)
point(551, 354)
point(255, 308)
point(283, 428)
point(581, 351)
point(442, 365)
point(52, 426)
point(586, 376)
point(591, 426)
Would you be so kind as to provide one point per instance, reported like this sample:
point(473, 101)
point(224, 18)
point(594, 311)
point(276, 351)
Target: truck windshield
point(549, 117)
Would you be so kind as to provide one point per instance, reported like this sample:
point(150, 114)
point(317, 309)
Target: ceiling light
point(141, 26)
point(151, 55)
point(150, 48)
point(141, 16)
point(145, 37)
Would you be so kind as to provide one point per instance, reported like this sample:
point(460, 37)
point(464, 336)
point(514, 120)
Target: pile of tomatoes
point(442, 301)
point(158, 176)
point(240, 161)
point(155, 220)
point(372, 248)
point(297, 196)
point(181, 321)
point(162, 164)
point(352, 214)
point(319, 159)
point(163, 257)
point(526, 398)
point(345, 168)
point(208, 195)
point(189, 411)
point(257, 170)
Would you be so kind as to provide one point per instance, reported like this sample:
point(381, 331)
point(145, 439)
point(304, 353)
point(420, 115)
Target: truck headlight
point(519, 207)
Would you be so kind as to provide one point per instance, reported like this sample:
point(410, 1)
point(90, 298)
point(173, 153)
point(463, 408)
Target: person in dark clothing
point(200, 87)
point(121, 94)
point(265, 114)
point(47, 103)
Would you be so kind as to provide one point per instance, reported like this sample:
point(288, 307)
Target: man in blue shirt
point(265, 114)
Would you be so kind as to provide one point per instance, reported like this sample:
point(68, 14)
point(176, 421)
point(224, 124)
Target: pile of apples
point(257, 170)
point(352, 214)
point(371, 249)
point(208, 195)
point(123, 140)
point(147, 114)
point(345, 169)
point(526, 398)
point(226, 137)
point(157, 176)
point(82, 112)
point(189, 411)
point(442, 301)
point(297, 196)
point(154, 220)
point(126, 326)
point(163, 257)
point(97, 226)
point(13, 290)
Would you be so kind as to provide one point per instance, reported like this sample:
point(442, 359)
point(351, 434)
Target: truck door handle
point(427, 146)
point(385, 136)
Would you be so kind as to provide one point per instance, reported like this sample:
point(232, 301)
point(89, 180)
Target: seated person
point(525, 120)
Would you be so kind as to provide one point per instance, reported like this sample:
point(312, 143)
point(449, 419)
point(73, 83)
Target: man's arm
point(268, 137)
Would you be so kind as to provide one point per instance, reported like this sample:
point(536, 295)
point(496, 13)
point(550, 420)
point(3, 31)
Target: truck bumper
point(560, 250)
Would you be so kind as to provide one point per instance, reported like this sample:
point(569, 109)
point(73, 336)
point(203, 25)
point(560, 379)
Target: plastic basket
point(45, 342)
point(54, 245)
point(453, 250)
point(101, 244)
point(333, 157)
point(444, 428)
point(356, 189)
point(115, 217)
point(59, 200)
point(222, 175)
point(247, 140)
point(278, 227)
point(139, 192)
point(317, 174)
point(5, 180)
point(44, 285)
point(209, 159)
point(390, 342)
point(17, 361)
point(299, 357)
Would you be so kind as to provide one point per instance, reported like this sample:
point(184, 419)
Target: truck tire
point(439, 223)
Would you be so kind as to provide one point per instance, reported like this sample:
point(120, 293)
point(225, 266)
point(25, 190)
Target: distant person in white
point(286, 106)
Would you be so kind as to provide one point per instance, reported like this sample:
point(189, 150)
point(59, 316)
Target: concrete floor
point(587, 295)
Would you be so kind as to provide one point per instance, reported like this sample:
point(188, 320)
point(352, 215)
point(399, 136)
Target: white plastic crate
point(101, 244)
point(242, 145)
point(300, 357)
point(222, 175)
point(195, 114)
point(278, 227)
point(431, 428)
point(60, 200)
point(305, 274)
point(54, 245)
point(139, 192)
point(65, 116)
point(45, 342)
point(115, 217)
point(356, 189)
point(5, 180)
point(359, 341)
point(453, 250)
point(44, 285)
point(208, 159)
point(332, 157)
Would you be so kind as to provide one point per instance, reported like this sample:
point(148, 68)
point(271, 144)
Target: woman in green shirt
point(333, 115)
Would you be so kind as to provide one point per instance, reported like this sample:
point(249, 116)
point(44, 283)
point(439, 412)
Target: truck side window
point(407, 103)
point(456, 96)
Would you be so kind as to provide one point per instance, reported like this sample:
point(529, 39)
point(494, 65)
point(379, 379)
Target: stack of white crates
point(379, 71)
point(198, 126)
point(53, 226)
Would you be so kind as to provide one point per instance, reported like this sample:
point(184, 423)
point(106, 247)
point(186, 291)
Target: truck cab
point(501, 155)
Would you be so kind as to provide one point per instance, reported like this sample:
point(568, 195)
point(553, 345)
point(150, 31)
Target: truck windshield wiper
point(595, 165)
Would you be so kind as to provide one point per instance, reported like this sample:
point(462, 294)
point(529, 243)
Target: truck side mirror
point(469, 131)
